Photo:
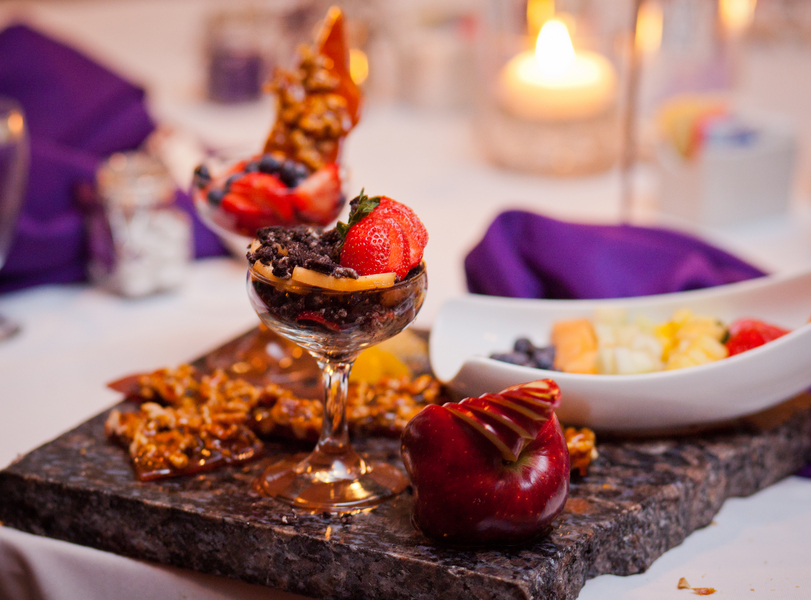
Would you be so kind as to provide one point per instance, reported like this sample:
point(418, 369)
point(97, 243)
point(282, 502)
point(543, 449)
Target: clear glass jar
point(140, 242)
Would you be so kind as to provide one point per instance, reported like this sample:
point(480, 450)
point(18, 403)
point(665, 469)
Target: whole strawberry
point(382, 236)
point(746, 334)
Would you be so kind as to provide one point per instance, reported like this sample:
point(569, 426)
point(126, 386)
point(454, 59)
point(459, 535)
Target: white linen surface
point(39, 568)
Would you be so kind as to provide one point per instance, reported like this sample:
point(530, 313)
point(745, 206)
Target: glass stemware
point(334, 327)
point(14, 157)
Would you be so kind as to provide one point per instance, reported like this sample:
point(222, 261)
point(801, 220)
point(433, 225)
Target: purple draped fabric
point(78, 113)
point(525, 255)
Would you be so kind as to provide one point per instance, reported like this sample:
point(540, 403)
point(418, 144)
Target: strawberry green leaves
point(361, 207)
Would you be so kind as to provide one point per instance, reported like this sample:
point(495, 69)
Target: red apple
point(487, 470)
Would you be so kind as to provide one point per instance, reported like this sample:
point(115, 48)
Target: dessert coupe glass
point(334, 327)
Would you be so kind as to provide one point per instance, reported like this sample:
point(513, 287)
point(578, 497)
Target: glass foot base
point(296, 481)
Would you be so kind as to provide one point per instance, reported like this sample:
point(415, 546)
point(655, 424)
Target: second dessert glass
point(334, 327)
point(260, 356)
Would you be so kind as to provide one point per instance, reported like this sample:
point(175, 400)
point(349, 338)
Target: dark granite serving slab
point(640, 498)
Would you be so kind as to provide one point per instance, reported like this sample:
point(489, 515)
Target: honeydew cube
point(606, 334)
point(605, 361)
point(624, 361)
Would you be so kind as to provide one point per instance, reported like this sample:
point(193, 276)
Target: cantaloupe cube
point(575, 346)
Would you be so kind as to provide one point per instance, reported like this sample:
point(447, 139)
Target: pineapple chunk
point(373, 364)
point(689, 340)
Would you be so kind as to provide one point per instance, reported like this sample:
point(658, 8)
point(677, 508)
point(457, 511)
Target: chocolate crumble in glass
point(305, 310)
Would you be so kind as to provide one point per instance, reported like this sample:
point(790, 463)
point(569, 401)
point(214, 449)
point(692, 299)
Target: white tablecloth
point(75, 339)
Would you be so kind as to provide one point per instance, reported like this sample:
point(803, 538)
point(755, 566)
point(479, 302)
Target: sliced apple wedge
point(523, 425)
point(512, 418)
point(531, 412)
point(342, 284)
point(508, 442)
point(532, 424)
point(538, 397)
point(545, 391)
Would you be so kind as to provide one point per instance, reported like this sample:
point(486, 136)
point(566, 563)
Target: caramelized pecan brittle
point(188, 422)
point(207, 421)
point(582, 450)
point(318, 103)
point(201, 425)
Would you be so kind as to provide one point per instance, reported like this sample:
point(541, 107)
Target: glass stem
point(334, 431)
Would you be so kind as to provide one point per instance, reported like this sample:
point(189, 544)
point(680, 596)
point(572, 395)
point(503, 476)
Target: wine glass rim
point(419, 271)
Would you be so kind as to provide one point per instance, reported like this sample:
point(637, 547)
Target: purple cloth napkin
point(525, 255)
point(78, 113)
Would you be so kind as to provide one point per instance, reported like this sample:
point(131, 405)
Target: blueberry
point(202, 177)
point(544, 358)
point(524, 346)
point(252, 167)
point(292, 173)
point(231, 180)
point(269, 164)
point(515, 358)
point(215, 196)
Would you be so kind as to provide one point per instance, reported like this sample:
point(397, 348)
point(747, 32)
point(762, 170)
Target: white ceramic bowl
point(469, 328)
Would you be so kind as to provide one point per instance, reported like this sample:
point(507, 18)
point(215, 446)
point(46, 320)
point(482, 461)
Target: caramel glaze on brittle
point(582, 450)
point(311, 118)
point(317, 104)
point(189, 423)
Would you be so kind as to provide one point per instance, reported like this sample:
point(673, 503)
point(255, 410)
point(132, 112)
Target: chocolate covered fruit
point(488, 470)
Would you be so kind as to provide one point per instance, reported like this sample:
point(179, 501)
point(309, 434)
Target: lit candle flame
point(554, 50)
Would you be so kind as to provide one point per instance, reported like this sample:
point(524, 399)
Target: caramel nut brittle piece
point(194, 423)
point(582, 450)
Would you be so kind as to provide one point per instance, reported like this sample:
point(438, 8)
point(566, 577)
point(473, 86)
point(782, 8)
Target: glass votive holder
point(551, 74)
point(140, 242)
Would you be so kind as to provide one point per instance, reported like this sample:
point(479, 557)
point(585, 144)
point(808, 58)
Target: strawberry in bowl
point(268, 191)
point(296, 179)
